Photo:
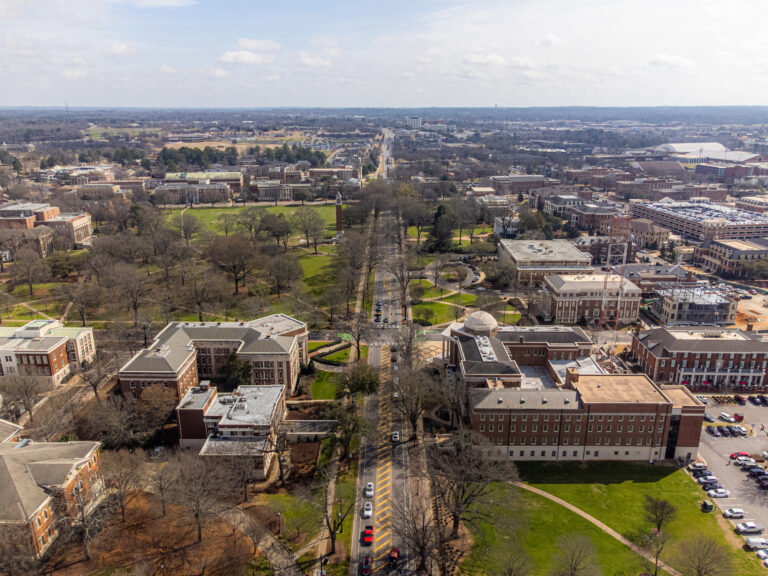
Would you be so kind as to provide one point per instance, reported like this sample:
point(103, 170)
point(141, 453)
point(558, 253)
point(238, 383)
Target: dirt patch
point(307, 412)
point(303, 460)
point(730, 536)
point(147, 540)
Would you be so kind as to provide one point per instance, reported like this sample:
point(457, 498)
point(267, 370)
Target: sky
point(384, 53)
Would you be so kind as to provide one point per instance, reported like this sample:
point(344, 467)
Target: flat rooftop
point(531, 251)
point(680, 396)
point(708, 212)
point(694, 296)
point(248, 405)
point(589, 282)
point(618, 389)
point(197, 397)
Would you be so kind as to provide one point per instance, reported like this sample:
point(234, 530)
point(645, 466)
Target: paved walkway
point(589, 518)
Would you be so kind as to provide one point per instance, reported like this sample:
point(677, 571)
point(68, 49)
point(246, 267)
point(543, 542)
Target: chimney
point(571, 377)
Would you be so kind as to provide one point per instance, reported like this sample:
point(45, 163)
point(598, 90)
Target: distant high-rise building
point(413, 122)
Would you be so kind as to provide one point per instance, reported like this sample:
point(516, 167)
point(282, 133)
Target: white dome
point(481, 323)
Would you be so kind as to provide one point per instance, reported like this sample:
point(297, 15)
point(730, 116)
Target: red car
point(368, 536)
point(737, 454)
point(738, 417)
point(367, 567)
point(394, 557)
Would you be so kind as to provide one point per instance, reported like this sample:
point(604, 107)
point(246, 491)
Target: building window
point(490, 427)
point(482, 427)
point(522, 453)
point(37, 521)
point(501, 428)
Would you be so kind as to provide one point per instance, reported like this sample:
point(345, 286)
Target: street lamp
point(253, 566)
point(278, 522)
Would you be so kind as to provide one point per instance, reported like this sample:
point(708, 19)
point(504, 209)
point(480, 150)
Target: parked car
point(750, 469)
point(734, 513)
point(702, 399)
point(719, 493)
point(723, 431)
point(697, 466)
point(367, 566)
point(707, 486)
point(394, 557)
point(395, 436)
point(708, 418)
point(763, 399)
point(757, 543)
point(742, 431)
point(368, 510)
point(757, 471)
point(740, 400)
point(367, 536)
point(749, 528)
point(762, 554)
point(733, 430)
point(700, 473)
point(713, 431)
point(737, 455)
point(705, 479)
point(368, 492)
point(744, 461)
point(738, 417)
point(754, 400)
point(725, 417)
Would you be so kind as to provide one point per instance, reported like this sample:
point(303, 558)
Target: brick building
point(573, 298)
point(703, 358)
point(599, 248)
point(590, 216)
point(183, 352)
point(45, 485)
point(44, 348)
point(692, 305)
point(73, 229)
point(753, 203)
point(518, 183)
point(531, 260)
point(563, 407)
point(203, 192)
point(233, 179)
point(729, 258)
point(646, 233)
point(244, 422)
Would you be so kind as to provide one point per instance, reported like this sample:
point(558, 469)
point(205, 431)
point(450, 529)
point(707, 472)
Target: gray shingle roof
point(662, 341)
point(523, 399)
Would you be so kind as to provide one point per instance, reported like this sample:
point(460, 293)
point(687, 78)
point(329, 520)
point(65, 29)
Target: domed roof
point(480, 322)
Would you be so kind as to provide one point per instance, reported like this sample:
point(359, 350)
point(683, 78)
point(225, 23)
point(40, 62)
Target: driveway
point(716, 452)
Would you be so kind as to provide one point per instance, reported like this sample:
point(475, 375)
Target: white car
point(762, 554)
point(702, 399)
point(744, 461)
point(368, 492)
point(707, 479)
point(734, 513)
point(368, 510)
point(719, 493)
point(697, 466)
point(395, 436)
point(749, 528)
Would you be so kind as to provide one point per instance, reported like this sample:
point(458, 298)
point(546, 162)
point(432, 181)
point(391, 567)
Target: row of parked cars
point(727, 430)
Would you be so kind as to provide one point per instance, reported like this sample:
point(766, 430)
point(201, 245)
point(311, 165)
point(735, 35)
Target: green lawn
point(21, 291)
point(340, 355)
point(615, 492)
point(209, 216)
point(430, 291)
point(313, 345)
point(461, 299)
point(442, 312)
point(301, 515)
point(533, 523)
point(512, 318)
point(317, 273)
point(324, 386)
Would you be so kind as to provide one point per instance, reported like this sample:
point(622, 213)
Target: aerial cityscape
point(460, 288)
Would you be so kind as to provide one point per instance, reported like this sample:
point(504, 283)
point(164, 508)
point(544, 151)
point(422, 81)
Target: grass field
point(301, 515)
point(324, 386)
point(209, 216)
point(442, 312)
point(340, 355)
point(313, 345)
point(98, 132)
point(430, 291)
point(461, 299)
point(317, 273)
point(615, 492)
point(533, 524)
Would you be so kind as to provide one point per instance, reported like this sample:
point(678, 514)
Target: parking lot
point(716, 453)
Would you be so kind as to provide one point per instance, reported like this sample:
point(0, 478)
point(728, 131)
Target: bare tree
point(277, 444)
point(202, 488)
point(465, 475)
point(349, 425)
point(438, 265)
point(417, 527)
point(97, 372)
point(16, 558)
point(417, 394)
point(404, 269)
point(242, 465)
point(358, 328)
point(419, 216)
point(659, 511)
point(284, 271)
point(134, 287)
point(576, 557)
point(188, 225)
point(125, 475)
point(305, 220)
point(112, 422)
point(654, 544)
point(163, 482)
point(235, 255)
point(227, 223)
point(317, 232)
point(407, 342)
point(81, 520)
point(337, 511)
point(203, 289)
point(250, 221)
point(85, 299)
point(25, 389)
point(702, 555)
point(28, 268)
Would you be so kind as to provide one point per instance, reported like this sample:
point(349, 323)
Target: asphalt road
point(716, 452)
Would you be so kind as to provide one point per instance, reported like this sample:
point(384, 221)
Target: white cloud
point(73, 73)
point(484, 57)
point(668, 61)
point(162, 3)
point(551, 40)
point(216, 73)
point(523, 62)
point(314, 60)
point(257, 45)
point(121, 49)
point(245, 57)
point(165, 69)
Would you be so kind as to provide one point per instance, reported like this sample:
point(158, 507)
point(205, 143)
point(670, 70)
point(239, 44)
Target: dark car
point(367, 566)
point(723, 431)
point(763, 486)
point(740, 400)
point(713, 431)
point(763, 399)
point(734, 431)
point(708, 418)
point(394, 557)
point(748, 469)
point(757, 471)
point(700, 473)
point(754, 400)
point(762, 481)
point(711, 486)
point(367, 536)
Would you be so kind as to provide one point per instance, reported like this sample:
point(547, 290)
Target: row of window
point(545, 417)
point(564, 453)
point(567, 428)
point(576, 441)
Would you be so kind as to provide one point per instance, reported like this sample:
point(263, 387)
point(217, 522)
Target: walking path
point(589, 518)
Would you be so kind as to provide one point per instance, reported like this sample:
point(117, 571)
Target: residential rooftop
point(618, 389)
point(248, 405)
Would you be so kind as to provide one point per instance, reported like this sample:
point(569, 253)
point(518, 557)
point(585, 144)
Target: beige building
point(532, 260)
point(646, 233)
point(573, 298)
